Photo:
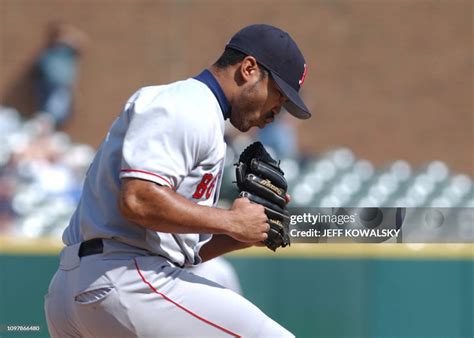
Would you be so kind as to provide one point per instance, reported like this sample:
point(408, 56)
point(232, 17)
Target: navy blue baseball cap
point(275, 50)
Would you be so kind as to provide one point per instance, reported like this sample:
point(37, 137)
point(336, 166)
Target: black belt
point(91, 247)
point(96, 246)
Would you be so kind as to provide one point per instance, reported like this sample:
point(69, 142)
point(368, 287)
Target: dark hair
point(229, 57)
point(232, 56)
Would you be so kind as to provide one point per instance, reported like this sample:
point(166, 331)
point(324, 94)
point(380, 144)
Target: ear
point(249, 70)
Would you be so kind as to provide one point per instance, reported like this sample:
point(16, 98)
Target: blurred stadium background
point(390, 85)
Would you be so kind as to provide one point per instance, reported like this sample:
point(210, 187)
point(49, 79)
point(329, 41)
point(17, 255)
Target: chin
point(244, 129)
point(240, 127)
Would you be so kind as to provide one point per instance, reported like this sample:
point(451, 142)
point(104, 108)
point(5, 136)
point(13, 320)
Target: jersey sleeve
point(203, 239)
point(160, 144)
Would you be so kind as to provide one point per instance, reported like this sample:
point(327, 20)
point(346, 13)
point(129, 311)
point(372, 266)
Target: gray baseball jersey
point(163, 138)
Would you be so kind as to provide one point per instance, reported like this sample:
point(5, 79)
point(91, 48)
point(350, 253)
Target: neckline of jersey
point(210, 81)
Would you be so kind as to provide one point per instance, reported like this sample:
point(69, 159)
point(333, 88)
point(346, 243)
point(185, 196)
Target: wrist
point(229, 221)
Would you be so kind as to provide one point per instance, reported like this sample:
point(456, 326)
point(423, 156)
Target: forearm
point(161, 209)
point(219, 245)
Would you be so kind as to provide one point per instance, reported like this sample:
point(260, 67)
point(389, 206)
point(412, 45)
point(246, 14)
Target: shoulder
point(190, 97)
point(186, 108)
point(181, 97)
point(175, 90)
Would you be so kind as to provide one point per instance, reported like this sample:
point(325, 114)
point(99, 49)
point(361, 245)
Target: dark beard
point(240, 110)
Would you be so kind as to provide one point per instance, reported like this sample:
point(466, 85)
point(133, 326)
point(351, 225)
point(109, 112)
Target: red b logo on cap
point(303, 77)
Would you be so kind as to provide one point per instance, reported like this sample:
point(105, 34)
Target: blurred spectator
point(6, 212)
point(56, 70)
point(41, 174)
point(281, 136)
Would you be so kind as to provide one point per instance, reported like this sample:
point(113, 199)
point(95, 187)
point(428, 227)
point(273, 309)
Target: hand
point(248, 221)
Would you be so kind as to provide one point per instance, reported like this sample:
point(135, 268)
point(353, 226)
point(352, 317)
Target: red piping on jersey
point(181, 306)
point(148, 173)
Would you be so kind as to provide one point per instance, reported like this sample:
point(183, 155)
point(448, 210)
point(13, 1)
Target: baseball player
point(147, 207)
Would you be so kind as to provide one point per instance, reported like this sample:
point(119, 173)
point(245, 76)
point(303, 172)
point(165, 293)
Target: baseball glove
point(260, 179)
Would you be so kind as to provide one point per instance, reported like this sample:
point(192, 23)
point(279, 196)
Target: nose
point(270, 119)
point(276, 110)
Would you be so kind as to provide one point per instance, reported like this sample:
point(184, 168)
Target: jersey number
point(206, 186)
